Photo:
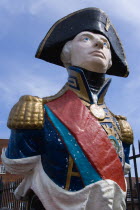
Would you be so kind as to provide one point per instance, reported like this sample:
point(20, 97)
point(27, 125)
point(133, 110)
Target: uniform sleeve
point(126, 148)
point(24, 143)
point(23, 151)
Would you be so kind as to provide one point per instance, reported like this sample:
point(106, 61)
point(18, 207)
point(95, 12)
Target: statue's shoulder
point(28, 112)
point(126, 129)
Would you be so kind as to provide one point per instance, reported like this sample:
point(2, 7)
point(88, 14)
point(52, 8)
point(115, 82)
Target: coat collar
point(77, 82)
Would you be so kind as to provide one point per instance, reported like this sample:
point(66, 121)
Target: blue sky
point(25, 23)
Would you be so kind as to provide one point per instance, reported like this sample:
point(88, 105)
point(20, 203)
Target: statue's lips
point(98, 53)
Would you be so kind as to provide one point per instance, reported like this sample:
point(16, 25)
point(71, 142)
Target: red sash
point(90, 136)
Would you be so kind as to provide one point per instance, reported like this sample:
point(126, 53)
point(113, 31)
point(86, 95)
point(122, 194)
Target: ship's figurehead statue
point(72, 150)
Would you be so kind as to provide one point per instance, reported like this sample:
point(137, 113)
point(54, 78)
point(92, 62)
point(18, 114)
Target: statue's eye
point(105, 44)
point(86, 39)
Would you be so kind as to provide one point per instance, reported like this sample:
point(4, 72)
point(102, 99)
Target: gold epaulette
point(27, 113)
point(126, 130)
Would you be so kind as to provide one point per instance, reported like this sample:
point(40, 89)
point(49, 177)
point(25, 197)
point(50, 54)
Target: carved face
point(91, 51)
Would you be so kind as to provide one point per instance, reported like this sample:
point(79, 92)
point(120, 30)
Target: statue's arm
point(26, 122)
point(126, 137)
point(126, 132)
point(23, 143)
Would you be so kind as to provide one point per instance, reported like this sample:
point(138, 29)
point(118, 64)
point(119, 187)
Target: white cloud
point(14, 7)
point(125, 9)
point(27, 84)
point(29, 78)
point(2, 122)
point(133, 85)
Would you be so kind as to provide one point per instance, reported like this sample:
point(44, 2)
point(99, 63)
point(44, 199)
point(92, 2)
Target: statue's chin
point(95, 64)
point(94, 68)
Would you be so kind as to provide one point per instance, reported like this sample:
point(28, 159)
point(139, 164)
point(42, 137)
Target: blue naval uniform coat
point(47, 141)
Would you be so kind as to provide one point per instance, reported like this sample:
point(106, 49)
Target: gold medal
point(97, 111)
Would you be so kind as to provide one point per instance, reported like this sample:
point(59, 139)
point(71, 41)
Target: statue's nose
point(99, 43)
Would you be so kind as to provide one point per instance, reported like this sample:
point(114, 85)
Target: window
point(2, 169)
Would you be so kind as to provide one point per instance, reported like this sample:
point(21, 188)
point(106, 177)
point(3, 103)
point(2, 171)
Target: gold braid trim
point(28, 112)
point(70, 173)
point(126, 130)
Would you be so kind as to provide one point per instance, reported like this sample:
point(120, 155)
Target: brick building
point(6, 177)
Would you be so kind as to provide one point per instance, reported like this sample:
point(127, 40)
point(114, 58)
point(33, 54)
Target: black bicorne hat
point(89, 19)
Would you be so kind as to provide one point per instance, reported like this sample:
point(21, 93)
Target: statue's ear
point(66, 54)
